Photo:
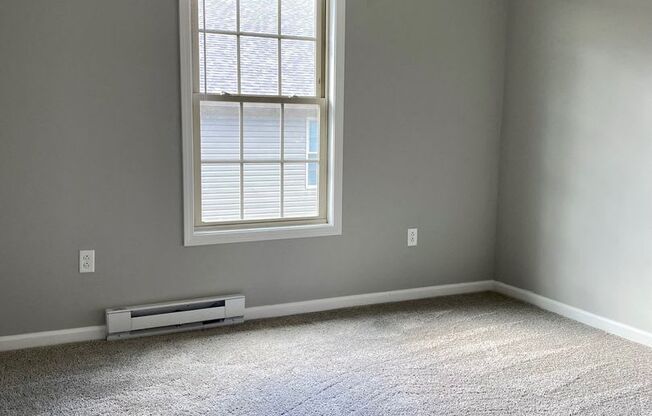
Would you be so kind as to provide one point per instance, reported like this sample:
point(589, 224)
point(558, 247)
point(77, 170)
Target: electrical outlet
point(86, 261)
point(412, 237)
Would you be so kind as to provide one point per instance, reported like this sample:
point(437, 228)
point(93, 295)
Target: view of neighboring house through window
point(259, 112)
point(312, 152)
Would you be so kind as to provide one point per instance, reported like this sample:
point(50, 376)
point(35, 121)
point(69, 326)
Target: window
point(260, 127)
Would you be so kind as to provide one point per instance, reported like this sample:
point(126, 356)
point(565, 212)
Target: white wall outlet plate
point(412, 237)
point(86, 261)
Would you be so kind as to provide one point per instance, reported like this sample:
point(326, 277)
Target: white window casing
point(227, 225)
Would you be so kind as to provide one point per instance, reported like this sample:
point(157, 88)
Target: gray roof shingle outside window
point(259, 56)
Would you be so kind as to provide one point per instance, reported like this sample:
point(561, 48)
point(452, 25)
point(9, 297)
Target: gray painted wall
point(576, 169)
point(90, 157)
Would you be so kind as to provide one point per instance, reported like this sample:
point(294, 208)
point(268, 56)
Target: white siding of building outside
point(220, 185)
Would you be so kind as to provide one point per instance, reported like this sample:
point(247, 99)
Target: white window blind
point(259, 111)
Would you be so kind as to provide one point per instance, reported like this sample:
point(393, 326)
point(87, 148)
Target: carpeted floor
point(480, 354)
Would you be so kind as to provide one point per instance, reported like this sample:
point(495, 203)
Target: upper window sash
point(203, 35)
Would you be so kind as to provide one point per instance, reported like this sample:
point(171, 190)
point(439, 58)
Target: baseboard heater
point(168, 317)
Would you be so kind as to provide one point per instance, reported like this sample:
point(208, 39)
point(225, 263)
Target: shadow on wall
point(576, 181)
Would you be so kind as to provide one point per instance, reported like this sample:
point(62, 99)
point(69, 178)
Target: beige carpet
point(480, 354)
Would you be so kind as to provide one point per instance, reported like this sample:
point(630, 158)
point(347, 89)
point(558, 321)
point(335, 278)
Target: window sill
point(198, 237)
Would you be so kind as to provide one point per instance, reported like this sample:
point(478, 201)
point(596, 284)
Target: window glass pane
point(298, 67)
point(220, 192)
point(313, 137)
point(262, 190)
point(298, 17)
point(220, 130)
point(311, 178)
point(300, 190)
point(220, 14)
point(259, 16)
point(262, 131)
point(301, 121)
point(221, 62)
point(259, 60)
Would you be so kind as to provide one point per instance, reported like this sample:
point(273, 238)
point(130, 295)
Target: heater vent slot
point(177, 308)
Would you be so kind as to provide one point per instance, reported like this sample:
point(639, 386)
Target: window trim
point(334, 93)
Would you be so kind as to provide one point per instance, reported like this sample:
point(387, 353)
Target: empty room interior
point(325, 207)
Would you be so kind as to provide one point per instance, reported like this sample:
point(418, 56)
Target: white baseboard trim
point(41, 339)
point(318, 305)
point(90, 333)
point(576, 314)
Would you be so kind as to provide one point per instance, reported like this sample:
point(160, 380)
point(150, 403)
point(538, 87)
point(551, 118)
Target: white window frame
point(195, 235)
